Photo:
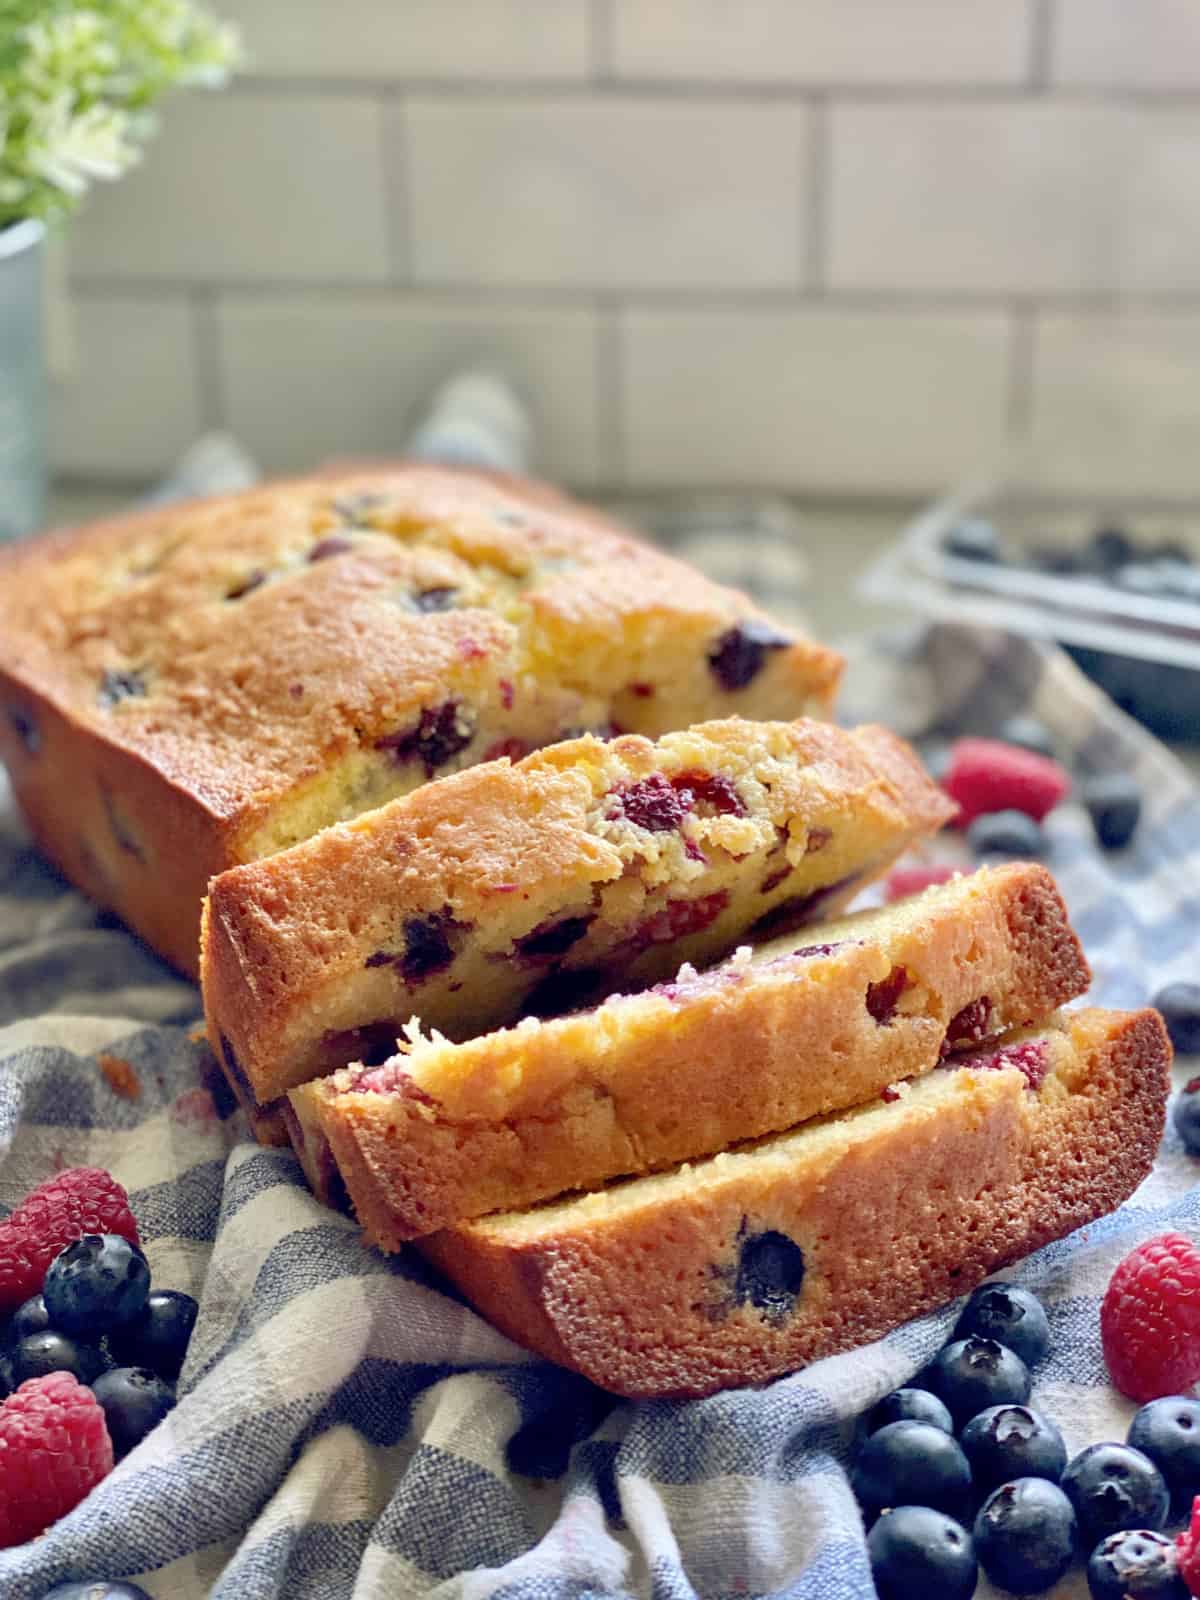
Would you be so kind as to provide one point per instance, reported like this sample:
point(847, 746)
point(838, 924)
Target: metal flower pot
point(22, 380)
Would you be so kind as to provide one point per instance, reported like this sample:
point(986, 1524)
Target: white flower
point(69, 149)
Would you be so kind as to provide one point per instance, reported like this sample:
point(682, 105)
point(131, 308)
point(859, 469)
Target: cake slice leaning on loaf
point(763, 1259)
point(585, 867)
point(813, 1023)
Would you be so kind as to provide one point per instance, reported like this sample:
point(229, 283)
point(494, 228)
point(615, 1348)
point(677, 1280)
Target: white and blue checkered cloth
point(348, 1428)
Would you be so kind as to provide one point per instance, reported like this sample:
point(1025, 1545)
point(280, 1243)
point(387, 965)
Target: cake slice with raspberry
point(764, 1258)
point(584, 868)
point(809, 1024)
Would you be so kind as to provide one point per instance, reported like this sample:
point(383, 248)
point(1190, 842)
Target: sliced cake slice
point(809, 1024)
point(760, 1260)
point(585, 867)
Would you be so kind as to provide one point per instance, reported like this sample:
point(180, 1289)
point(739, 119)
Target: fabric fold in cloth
point(347, 1427)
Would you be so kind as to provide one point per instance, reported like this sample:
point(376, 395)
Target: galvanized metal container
point(22, 380)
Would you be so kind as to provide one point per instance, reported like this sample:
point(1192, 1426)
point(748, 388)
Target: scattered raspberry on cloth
point(54, 1448)
point(78, 1201)
point(1150, 1319)
point(987, 775)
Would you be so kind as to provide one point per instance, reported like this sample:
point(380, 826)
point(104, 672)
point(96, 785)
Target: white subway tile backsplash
point(1015, 196)
point(1151, 44)
point(413, 39)
point(607, 192)
point(874, 400)
point(306, 377)
point(1114, 402)
point(247, 186)
point(129, 402)
point(824, 41)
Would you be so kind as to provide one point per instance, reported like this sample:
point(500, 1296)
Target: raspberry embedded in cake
point(971, 1025)
point(883, 997)
point(652, 804)
point(247, 585)
point(709, 794)
point(440, 734)
point(1031, 1057)
point(679, 918)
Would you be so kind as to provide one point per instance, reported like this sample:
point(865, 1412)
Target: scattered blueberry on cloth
point(347, 1428)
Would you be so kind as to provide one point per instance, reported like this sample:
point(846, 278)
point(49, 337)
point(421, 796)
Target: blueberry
point(1027, 733)
point(40, 1353)
point(1186, 1116)
point(97, 1589)
point(1135, 1565)
point(909, 1405)
point(1110, 548)
point(1010, 1315)
point(96, 1284)
point(973, 539)
point(1006, 1442)
point(32, 1317)
point(912, 1463)
point(1006, 833)
point(740, 654)
point(1168, 1432)
point(1114, 803)
point(1113, 1487)
point(972, 1374)
point(158, 1336)
point(1025, 1535)
point(770, 1273)
point(1180, 1007)
point(914, 1547)
point(134, 1400)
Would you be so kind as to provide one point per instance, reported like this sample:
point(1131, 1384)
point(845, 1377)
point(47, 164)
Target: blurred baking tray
point(1144, 649)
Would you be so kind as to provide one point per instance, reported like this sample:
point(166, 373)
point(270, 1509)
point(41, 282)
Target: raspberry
point(985, 775)
point(911, 880)
point(1187, 1549)
point(1150, 1319)
point(54, 1448)
point(679, 918)
point(78, 1201)
point(652, 804)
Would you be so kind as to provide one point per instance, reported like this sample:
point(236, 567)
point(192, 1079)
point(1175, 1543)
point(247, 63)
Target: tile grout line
point(1041, 44)
point(397, 189)
point(610, 389)
point(206, 346)
point(814, 217)
point(600, 41)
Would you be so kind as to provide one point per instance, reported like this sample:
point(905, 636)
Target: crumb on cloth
point(121, 1076)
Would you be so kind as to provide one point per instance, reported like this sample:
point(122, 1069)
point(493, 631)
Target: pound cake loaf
point(585, 867)
point(814, 1023)
point(763, 1259)
point(192, 687)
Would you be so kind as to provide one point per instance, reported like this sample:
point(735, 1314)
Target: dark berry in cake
point(32, 1317)
point(883, 997)
point(118, 686)
point(246, 585)
point(48, 1351)
point(911, 1463)
point(1168, 1433)
point(1031, 1059)
point(1112, 1487)
point(25, 728)
point(1027, 733)
point(709, 793)
point(441, 733)
point(96, 1284)
point(971, 1025)
point(1006, 1442)
point(973, 539)
point(916, 1551)
point(427, 946)
point(739, 655)
point(679, 918)
point(1179, 1004)
point(1114, 803)
point(551, 939)
point(1010, 1315)
point(134, 1401)
point(158, 1337)
point(770, 1273)
point(651, 803)
point(1006, 833)
point(1186, 1116)
point(972, 1374)
point(909, 1405)
point(1135, 1564)
point(1025, 1535)
point(439, 599)
point(334, 545)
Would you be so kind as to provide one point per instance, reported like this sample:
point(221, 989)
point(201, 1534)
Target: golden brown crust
point(229, 672)
point(447, 1132)
point(298, 949)
point(895, 1209)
